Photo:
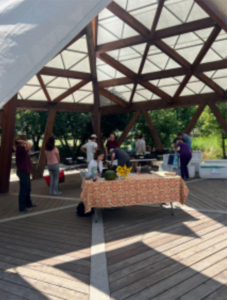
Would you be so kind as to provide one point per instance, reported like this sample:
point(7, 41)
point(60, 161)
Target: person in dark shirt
point(178, 139)
point(23, 164)
point(111, 144)
point(122, 157)
point(185, 157)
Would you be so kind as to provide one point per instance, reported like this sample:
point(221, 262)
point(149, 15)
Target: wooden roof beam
point(127, 72)
point(64, 73)
point(43, 87)
point(188, 67)
point(115, 81)
point(126, 17)
point(184, 101)
point(159, 34)
point(215, 32)
point(210, 66)
point(146, 51)
point(45, 106)
point(217, 10)
point(71, 90)
point(112, 97)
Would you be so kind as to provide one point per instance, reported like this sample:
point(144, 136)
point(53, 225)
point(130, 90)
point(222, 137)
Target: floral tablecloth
point(135, 190)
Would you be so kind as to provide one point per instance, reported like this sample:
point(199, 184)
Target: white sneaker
point(58, 193)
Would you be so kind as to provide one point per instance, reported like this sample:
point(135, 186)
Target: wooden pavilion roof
point(135, 55)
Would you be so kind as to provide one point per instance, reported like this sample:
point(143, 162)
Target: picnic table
point(143, 189)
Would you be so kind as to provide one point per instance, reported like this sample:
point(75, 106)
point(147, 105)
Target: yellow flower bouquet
point(123, 171)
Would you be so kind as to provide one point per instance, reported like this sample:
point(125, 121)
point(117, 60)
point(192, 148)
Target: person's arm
point(83, 148)
point(178, 148)
point(58, 155)
point(100, 166)
point(117, 145)
point(107, 152)
point(26, 144)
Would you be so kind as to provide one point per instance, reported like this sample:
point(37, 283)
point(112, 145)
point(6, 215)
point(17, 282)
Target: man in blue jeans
point(23, 164)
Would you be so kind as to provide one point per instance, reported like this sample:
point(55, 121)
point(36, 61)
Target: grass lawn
point(210, 146)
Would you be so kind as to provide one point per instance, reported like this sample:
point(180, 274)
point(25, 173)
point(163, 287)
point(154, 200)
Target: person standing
point(122, 157)
point(185, 157)
point(53, 160)
point(187, 140)
point(141, 145)
point(111, 144)
point(90, 147)
point(133, 145)
point(23, 164)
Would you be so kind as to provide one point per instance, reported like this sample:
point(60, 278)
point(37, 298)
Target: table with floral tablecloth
point(140, 189)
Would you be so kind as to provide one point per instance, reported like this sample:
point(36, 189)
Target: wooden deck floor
point(152, 255)
point(9, 205)
point(45, 257)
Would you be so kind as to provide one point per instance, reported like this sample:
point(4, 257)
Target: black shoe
point(32, 206)
point(26, 210)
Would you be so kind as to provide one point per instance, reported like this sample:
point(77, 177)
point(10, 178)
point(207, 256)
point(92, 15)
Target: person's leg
point(56, 178)
point(22, 193)
point(28, 200)
point(51, 187)
point(187, 160)
point(182, 166)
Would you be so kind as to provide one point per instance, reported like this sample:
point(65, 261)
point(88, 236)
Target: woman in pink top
point(53, 159)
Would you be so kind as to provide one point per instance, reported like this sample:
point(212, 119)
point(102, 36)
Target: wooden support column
point(153, 130)
point(38, 172)
point(8, 127)
point(128, 127)
point(220, 118)
point(91, 31)
point(1, 117)
point(195, 118)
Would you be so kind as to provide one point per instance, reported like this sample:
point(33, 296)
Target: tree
point(113, 124)
point(72, 126)
point(31, 123)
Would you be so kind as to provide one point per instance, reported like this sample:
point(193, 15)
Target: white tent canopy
point(34, 31)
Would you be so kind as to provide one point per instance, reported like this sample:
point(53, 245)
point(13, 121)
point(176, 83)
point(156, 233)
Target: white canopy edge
point(34, 31)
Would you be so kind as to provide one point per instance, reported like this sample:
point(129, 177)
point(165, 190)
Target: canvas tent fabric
point(34, 31)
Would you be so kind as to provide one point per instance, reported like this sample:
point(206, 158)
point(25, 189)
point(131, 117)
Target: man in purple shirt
point(111, 144)
point(23, 164)
point(185, 157)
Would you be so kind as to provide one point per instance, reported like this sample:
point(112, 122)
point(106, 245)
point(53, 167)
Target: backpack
point(80, 210)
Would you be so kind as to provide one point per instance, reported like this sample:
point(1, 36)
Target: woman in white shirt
point(97, 162)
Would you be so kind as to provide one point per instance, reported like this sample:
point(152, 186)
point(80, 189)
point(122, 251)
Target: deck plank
point(46, 257)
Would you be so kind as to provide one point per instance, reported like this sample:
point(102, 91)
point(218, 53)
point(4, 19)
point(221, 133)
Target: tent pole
point(8, 128)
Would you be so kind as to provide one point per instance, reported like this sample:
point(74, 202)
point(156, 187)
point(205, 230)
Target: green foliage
point(209, 145)
point(167, 124)
point(31, 123)
point(73, 129)
point(72, 126)
point(114, 124)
